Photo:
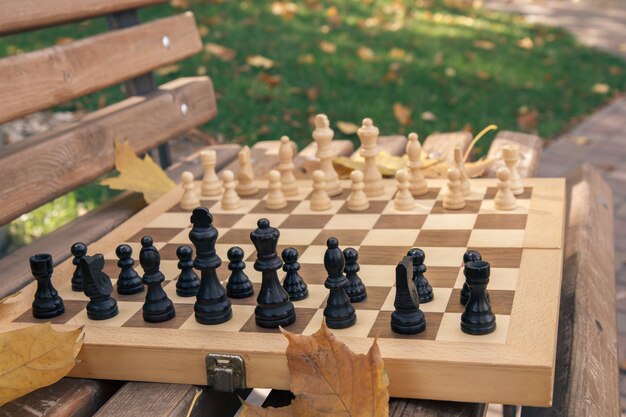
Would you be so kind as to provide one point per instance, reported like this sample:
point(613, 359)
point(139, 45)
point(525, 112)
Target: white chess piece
point(289, 185)
point(275, 198)
point(230, 199)
point(357, 200)
point(323, 136)
point(211, 184)
point(460, 165)
point(320, 200)
point(245, 177)
point(417, 183)
point(453, 198)
point(368, 134)
point(504, 199)
point(510, 154)
point(189, 200)
point(403, 201)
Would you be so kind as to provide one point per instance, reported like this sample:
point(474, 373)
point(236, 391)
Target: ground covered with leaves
point(421, 66)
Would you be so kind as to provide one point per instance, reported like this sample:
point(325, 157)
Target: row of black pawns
point(274, 301)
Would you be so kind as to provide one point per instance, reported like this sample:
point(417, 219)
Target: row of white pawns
point(365, 184)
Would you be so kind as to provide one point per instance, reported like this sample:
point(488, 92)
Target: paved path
point(601, 138)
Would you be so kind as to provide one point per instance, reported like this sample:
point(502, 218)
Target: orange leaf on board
point(402, 113)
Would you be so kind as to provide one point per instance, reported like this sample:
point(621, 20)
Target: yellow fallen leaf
point(222, 52)
point(397, 53)
point(64, 41)
point(402, 113)
point(428, 116)
point(168, 69)
point(138, 175)
point(35, 357)
point(601, 88)
point(306, 59)
point(581, 140)
point(2, 300)
point(484, 44)
point(260, 61)
point(347, 128)
point(286, 10)
point(329, 48)
point(365, 53)
point(180, 4)
point(526, 43)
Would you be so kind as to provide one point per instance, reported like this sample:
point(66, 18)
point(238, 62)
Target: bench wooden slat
point(41, 79)
point(21, 15)
point(83, 151)
point(586, 374)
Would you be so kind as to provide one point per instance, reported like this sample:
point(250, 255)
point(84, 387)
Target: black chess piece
point(478, 319)
point(188, 282)
point(238, 285)
point(293, 282)
point(339, 312)
point(98, 288)
point(273, 306)
point(424, 290)
point(356, 289)
point(47, 303)
point(158, 307)
point(212, 305)
point(128, 281)
point(78, 249)
point(407, 317)
point(469, 256)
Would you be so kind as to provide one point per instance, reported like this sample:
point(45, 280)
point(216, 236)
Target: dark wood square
point(226, 220)
point(345, 237)
point(236, 237)
point(501, 301)
point(376, 207)
point(501, 257)
point(72, 308)
point(183, 312)
point(491, 193)
point(382, 327)
point(471, 206)
point(381, 255)
point(140, 296)
point(442, 238)
point(248, 301)
point(303, 317)
point(313, 274)
point(441, 276)
point(430, 195)
point(408, 221)
point(158, 234)
point(376, 297)
point(111, 268)
point(168, 252)
point(343, 196)
point(260, 208)
point(306, 221)
point(501, 221)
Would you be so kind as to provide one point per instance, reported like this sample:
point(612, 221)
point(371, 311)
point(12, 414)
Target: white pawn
point(504, 199)
point(289, 185)
point(230, 199)
point(417, 183)
point(320, 200)
point(510, 154)
point(190, 200)
point(403, 201)
point(460, 165)
point(357, 200)
point(245, 177)
point(453, 199)
point(275, 198)
point(211, 184)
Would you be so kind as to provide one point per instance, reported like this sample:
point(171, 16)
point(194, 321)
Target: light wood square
point(172, 220)
point(488, 207)
point(169, 269)
point(450, 221)
point(249, 221)
point(241, 314)
point(127, 310)
point(496, 238)
point(182, 237)
point(317, 295)
point(390, 191)
point(378, 275)
point(297, 236)
point(246, 206)
point(136, 247)
point(305, 208)
point(170, 290)
point(314, 254)
point(436, 256)
point(66, 293)
point(421, 207)
point(391, 297)
point(439, 302)
point(500, 279)
point(303, 192)
point(364, 321)
point(388, 237)
point(450, 330)
point(352, 221)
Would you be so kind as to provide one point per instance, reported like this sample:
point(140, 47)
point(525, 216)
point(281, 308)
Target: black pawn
point(129, 281)
point(239, 285)
point(47, 303)
point(78, 249)
point(339, 313)
point(293, 282)
point(188, 282)
point(469, 256)
point(356, 290)
point(157, 307)
point(424, 290)
point(273, 306)
point(212, 306)
point(407, 317)
point(98, 288)
point(478, 319)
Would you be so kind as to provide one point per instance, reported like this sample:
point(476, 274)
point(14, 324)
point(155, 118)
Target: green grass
point(462, 65)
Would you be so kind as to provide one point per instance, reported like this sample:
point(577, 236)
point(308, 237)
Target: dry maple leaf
point(34, 357)
point(260, 61)
point(402, 114)
point(138, 175)
point(328, 379)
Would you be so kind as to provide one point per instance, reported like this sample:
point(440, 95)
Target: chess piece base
point(130, 287)
point(103, 311)
point(336, 323)
point(159, 317)
point(188, 290)
point(215, 313)
point(453, 206)
point(412, 323)
point(478, 327)
point(49, 308)
point(272, 317)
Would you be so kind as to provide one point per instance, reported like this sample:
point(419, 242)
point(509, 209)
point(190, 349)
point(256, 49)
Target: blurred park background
point(425, 66)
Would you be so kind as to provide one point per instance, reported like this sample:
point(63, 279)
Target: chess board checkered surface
point(515, 364)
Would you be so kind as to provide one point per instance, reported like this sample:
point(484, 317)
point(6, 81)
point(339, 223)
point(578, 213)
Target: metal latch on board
point(225, 372)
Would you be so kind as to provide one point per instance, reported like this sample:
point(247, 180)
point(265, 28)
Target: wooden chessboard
point(513, 365)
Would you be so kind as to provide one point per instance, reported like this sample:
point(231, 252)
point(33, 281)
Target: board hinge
point(225, 372)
